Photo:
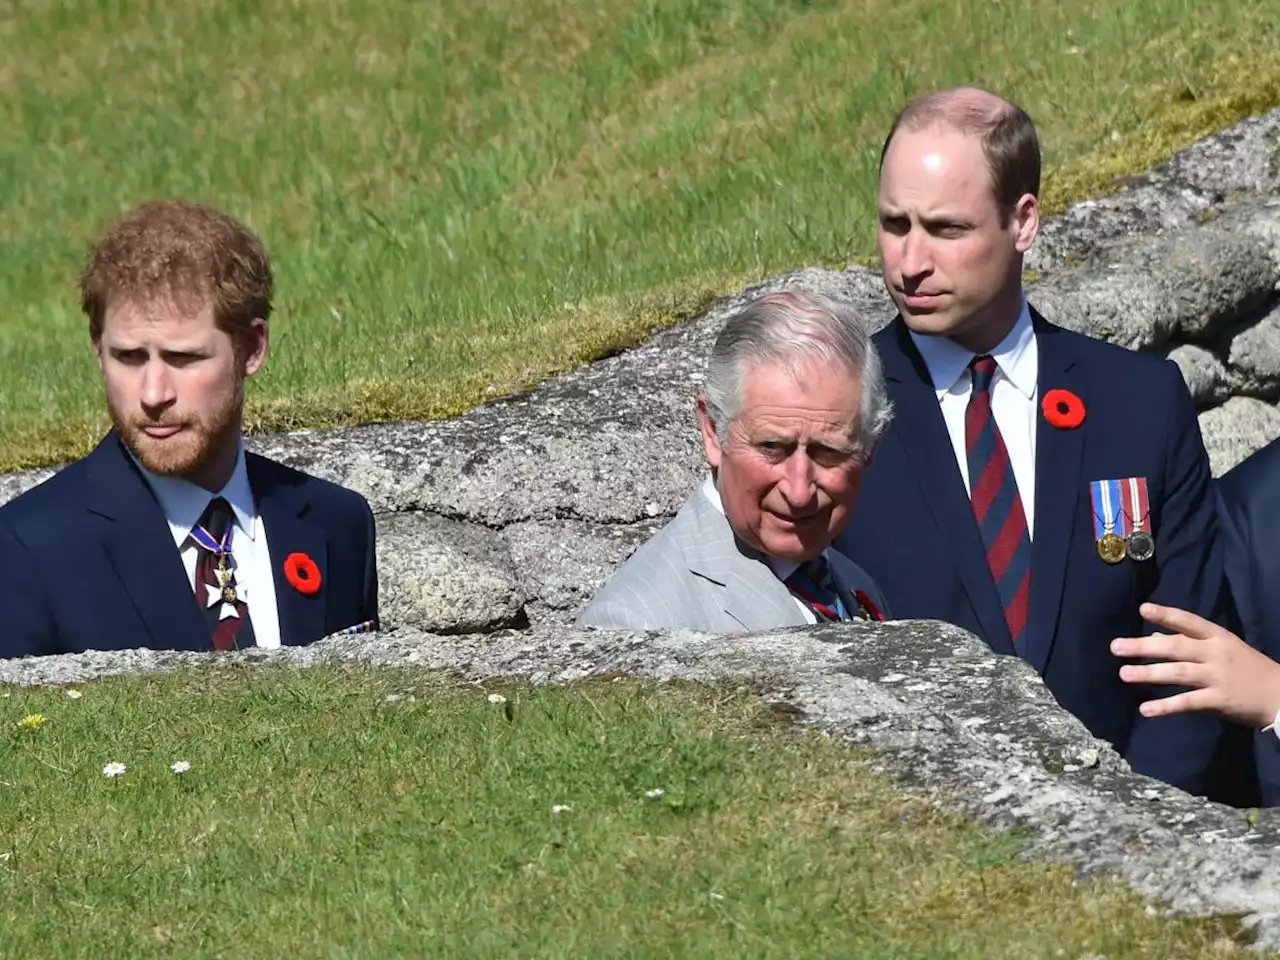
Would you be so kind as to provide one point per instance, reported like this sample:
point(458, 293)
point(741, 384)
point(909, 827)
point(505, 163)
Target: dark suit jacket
point(1250, 516)
point(87, 561)
point(915, 533)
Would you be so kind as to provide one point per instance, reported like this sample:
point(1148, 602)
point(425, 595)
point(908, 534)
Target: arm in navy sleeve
point(1179, 749)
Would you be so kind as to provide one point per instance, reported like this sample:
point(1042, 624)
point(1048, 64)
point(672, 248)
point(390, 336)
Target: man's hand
point(1228, 676)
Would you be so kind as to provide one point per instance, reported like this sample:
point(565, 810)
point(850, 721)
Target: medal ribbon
point(1110, 510)
point(1099, 515)
point(1118, 514)
point(1137, 501)
point(207, 541)
point(1106, 501)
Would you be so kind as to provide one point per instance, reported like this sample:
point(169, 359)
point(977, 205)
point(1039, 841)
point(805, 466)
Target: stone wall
point(515, 513)
point(496, 526)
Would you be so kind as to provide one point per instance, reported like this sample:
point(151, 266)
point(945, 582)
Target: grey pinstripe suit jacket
point(695, 575)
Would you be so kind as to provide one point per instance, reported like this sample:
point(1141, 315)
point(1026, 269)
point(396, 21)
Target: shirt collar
point(1015, 355)
point(781, 568)
point(183, 501)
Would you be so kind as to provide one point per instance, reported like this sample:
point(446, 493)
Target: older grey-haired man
point(794, 404)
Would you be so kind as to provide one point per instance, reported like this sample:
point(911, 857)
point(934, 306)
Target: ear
point(1026, 222)
point(710, 441)
point(259, 337)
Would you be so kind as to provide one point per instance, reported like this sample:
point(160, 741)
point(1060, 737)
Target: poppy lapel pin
point(1063, 409)
point(302, 573)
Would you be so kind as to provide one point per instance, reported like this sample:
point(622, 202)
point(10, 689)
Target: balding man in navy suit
point(1036, 485)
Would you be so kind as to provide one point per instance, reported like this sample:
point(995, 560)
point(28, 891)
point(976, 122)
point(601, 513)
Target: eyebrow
point(849, 447)
point(183, 348)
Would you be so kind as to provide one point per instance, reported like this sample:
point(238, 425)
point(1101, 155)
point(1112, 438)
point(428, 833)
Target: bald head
point(1007, 134)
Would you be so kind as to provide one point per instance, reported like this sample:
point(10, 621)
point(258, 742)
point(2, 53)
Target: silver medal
point(1141, 546)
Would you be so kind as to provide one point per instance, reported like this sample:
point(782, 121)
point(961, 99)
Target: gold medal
point(228, 593)
point(1111, 548)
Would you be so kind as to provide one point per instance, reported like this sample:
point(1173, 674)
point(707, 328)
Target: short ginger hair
point(185, 252)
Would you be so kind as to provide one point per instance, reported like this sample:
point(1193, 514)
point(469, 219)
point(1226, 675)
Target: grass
point(465, 196)
point(357, 813)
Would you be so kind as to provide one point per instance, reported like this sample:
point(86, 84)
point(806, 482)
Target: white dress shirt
point(183, 502)
point(781, 568)
point(1014, 399)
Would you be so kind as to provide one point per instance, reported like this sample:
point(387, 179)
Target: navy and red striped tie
point(993, 490)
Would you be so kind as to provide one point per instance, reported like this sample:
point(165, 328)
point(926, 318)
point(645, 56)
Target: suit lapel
point(142, 553)
point(1059, 454)
point(283, 505)
point(748, 591)
point(919, 429)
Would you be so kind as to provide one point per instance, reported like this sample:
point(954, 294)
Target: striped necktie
point(812, 583)
point(997, 505)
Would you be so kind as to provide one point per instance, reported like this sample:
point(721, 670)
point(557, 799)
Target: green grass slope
point(464, 197)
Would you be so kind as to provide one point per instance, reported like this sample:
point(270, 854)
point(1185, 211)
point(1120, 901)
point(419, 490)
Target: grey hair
point(791, 328)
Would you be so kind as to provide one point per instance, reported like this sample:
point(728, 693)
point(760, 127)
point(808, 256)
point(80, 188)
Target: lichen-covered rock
point(1236, 429)
point(1206, 376)
point(445, 576)
point(1141, 293)
point(1254, 355)
point(563, 563)
point(1243, 160)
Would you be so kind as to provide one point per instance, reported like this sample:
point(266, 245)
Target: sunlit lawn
point(355, 813)
point(462, 197)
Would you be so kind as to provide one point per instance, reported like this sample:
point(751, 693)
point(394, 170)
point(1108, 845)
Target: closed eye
point(128, 357)
point(776, 449)
point(825, 456)
point(897, 226)
point(181, 358)
point(947, 229)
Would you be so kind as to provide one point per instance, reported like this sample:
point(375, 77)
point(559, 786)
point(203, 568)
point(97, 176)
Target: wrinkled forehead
point(810, 397)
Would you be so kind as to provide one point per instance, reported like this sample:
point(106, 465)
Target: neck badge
point(226, 591)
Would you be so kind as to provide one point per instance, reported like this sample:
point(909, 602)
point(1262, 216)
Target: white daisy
point(74, 694)
point(497, 698)
point(180, 766)
point(114, 769)
point(559, 808)
point(654, 794)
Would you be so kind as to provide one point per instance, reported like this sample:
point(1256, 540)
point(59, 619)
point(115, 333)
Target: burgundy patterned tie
point(996, 502)
point(216, 588)
point(813, 584)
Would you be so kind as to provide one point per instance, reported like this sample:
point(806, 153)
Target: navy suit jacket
point(87, 561)
point(1249, 499)
point(914, 532)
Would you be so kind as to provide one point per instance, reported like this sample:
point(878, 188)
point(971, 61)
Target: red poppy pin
point(1063, 409)
point(869, 609)
point(302, 573)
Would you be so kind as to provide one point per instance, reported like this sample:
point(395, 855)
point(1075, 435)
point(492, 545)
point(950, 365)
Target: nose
point(157, 387)
point(917, 260)
point(798, 485)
